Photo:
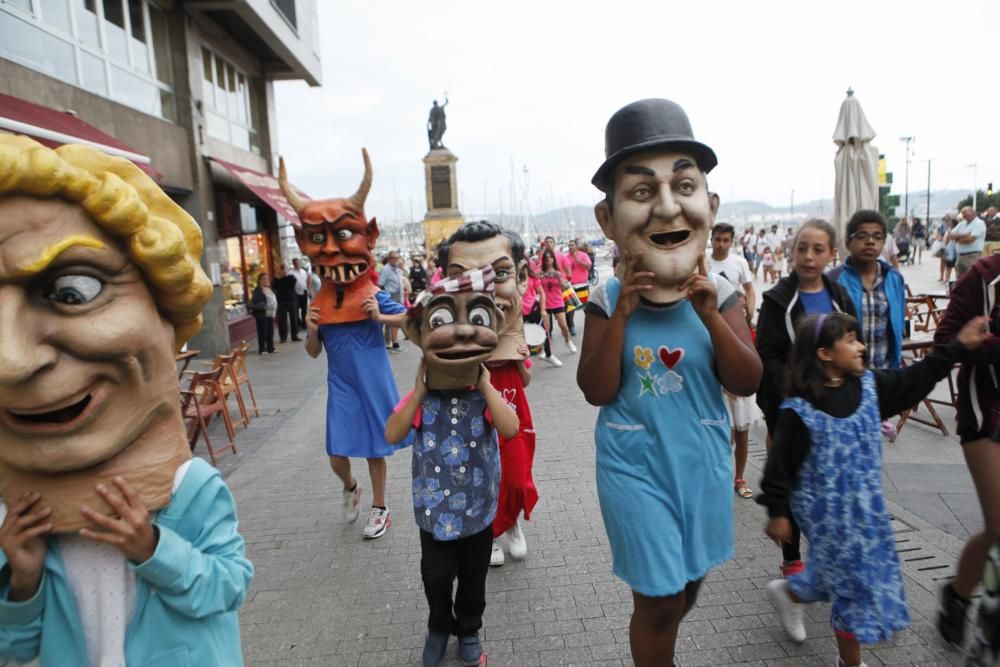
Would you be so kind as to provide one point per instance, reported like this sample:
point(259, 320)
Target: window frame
point(210, 101)
point(36, 18)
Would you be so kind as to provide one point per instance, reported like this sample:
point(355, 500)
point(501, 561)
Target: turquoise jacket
point(895, 294)
point(187, 594)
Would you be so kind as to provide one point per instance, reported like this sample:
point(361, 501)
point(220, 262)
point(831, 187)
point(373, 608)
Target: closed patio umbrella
point(856, 165)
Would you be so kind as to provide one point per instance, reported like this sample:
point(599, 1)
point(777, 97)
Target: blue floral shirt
point(456, 465)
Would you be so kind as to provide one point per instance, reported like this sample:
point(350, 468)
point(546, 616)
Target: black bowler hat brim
point(702, 154)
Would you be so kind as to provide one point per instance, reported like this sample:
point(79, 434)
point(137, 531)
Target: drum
point(534, 334)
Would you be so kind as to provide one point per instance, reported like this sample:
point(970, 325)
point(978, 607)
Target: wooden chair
point(201, 401)
point(242, 374)
point(228, 384)
point(917, 349)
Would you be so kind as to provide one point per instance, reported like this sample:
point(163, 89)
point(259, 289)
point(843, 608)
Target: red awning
point(55, 128)
point(264, 186)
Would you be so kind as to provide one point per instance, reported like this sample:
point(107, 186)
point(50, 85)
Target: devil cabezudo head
point(338, 238)
point(455, 323)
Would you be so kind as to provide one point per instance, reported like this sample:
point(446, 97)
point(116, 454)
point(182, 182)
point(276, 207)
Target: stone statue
point(436, 125)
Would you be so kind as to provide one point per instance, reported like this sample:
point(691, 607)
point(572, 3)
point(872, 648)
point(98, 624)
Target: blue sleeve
point(210, 575)
point(387, 306)
point(20, 622)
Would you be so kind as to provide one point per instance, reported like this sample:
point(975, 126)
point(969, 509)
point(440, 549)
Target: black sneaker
point(395, 346)
point(952, 615)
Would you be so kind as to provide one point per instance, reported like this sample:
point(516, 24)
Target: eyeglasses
point(864, 236)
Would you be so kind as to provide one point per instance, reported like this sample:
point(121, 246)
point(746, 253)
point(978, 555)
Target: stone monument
point(442, 217)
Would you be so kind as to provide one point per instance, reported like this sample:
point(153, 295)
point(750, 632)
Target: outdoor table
point(918, 347)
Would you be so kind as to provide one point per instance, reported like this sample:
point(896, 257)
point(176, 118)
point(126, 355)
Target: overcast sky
point(533, 83)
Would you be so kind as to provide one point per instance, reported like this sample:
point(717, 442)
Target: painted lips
point(670, 239)
point(62, 419)
point(342, 273)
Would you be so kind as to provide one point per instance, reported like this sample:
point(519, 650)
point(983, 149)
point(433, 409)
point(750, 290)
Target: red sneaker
point(790, 567)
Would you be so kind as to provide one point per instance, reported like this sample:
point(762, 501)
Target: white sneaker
point(553, 361)
point(841, 663)
point(516, 544)
point(378, 522)
point(352, 504)
point(789, 612)
point(572, 346)
point(496, 557)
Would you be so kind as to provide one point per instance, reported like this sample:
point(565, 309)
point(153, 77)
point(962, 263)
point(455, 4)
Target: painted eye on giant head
point(480, 317)
point(501, 275)
point(344, 234)
point(440, 317)
point(318, 237)
point(642, 193)
point(75, 290)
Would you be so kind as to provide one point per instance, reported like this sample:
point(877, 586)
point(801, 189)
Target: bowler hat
point(649, 125)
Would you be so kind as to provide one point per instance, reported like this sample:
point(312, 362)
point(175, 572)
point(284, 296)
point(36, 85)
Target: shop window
point(119, 49)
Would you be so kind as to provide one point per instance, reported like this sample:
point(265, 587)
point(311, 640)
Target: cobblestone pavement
point(323, 596)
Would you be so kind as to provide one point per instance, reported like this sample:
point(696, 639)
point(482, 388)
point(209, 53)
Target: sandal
point(742, 490)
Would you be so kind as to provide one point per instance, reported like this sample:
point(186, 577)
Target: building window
point(230, 99)
point(119, 49)
point(287, 9)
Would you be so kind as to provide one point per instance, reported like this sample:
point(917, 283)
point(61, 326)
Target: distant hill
point(942, 201)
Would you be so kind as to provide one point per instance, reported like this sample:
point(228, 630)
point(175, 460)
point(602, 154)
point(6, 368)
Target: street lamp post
point(906, 186)
point(975, 182)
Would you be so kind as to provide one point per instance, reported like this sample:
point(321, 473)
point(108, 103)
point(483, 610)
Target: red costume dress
point(517, 455)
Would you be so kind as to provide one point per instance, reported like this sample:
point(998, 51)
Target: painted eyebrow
point(642, 171)
point(683, 163)
point(441, 300)
point(52, 252)
point(480, 301)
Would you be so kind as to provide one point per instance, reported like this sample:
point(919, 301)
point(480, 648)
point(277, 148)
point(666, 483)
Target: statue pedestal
point(442, 217)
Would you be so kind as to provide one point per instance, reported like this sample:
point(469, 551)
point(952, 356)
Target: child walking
point(805, 291)
point(825, 469)
point(456, 462)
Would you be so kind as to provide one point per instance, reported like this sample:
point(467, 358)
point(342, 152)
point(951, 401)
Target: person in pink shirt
point(553, 281)
point(533, 309)
point(577, 268)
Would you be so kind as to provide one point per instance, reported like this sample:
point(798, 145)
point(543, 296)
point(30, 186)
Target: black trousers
point(468, 559)
point(302, 304)
point(265, 334)
point(287, 315)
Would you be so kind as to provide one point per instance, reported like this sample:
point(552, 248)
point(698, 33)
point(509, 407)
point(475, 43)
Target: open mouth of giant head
point(461, 354)
point(64, 416)
point(342, 273)
point(670, 240)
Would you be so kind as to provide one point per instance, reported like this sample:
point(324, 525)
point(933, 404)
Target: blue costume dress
point(839, 506)
point(664, 468)
point(361, 389)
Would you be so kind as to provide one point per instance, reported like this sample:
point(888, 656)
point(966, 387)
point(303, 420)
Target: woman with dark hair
point(976, 293)
point(554, 282)
point(806, 290)
point(825, 469)
point(264, 305)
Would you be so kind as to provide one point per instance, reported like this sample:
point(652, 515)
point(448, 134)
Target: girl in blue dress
point(825, 469)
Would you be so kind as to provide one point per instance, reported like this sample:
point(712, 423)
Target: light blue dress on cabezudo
point(838, 504)
point(664, 470)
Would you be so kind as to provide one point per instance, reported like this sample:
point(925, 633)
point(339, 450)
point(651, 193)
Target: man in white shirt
point(301, 290)
point(742, 409)
point(969, 237)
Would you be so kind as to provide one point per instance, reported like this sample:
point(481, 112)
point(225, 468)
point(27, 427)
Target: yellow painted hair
point(160, 237)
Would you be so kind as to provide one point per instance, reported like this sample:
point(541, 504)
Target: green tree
point(983, 201)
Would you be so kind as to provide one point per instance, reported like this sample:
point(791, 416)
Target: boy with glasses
point(877, 291)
